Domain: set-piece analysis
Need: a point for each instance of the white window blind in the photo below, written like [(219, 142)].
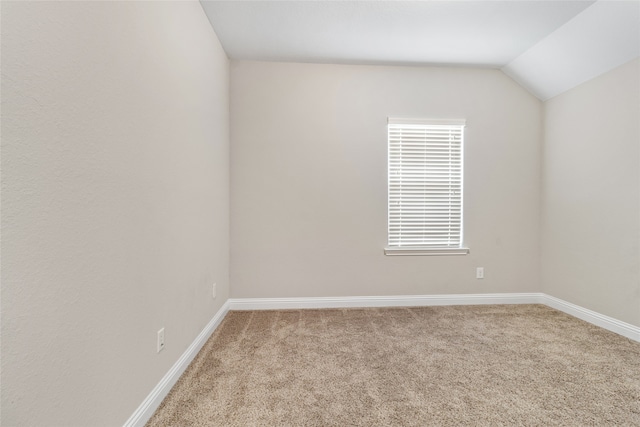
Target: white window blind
[(425, 183)]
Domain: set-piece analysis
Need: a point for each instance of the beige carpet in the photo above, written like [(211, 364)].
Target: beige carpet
[(465, 365)]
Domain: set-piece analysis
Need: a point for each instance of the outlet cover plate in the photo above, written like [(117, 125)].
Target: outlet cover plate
[(160, 340)]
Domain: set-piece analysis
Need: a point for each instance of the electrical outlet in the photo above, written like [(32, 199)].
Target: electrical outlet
[(480, 273), (160, 340), (214, 291)]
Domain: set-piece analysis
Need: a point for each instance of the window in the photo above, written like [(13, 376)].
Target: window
[(425, 187)]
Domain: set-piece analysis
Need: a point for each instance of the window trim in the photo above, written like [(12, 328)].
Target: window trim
[(430, 250), (408, 251)]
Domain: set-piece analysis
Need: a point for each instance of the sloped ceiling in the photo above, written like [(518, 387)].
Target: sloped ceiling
[(602, 37), (546, 46)]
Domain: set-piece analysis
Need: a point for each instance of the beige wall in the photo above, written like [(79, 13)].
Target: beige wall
[(114, 202), (308, 180), (591, 194)]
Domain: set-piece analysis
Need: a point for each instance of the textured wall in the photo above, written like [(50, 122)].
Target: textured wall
[(114, 202), (591, 195), (309, 180)]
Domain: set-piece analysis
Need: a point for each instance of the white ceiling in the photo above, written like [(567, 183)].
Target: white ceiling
[(476, 33), (602, 37)]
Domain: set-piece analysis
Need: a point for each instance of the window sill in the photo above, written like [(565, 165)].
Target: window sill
[(424, 251)]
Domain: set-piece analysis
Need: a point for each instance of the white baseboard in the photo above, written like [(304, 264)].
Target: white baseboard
[(382, 301), (606, 322), (160, 391)]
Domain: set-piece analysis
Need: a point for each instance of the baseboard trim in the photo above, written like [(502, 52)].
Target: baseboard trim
[(609, 323), (382, 301), (160, 391)]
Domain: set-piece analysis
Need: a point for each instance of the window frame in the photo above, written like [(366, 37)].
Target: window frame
[(416, 249)]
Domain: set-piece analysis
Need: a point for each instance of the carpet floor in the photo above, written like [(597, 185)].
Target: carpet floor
[(498, 365)]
